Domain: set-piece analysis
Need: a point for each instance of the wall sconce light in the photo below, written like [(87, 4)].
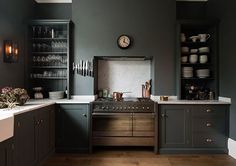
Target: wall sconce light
[(11, 51)]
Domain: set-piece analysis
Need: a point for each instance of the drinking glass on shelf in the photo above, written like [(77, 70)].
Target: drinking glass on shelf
[(39, 31), (38, 60), (34, 32), (34, 60)]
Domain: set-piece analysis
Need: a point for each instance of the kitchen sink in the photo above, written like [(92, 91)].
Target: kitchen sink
[(6, 126)]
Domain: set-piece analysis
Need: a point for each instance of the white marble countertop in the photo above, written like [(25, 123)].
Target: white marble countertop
[(191, 102), (174, 100)]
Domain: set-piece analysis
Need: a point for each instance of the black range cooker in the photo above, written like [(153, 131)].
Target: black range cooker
[(130, 122)]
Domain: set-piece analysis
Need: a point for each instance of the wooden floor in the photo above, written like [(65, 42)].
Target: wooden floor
[(137, 158)]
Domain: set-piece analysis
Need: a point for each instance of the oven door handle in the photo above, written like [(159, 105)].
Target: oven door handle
[(111, 114)]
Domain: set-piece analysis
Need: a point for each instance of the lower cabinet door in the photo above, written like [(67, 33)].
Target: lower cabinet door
[(43, 133), (72, 128), (6, 153), (174, 126), (25, 140)]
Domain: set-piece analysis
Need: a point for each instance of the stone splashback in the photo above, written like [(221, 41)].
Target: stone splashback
[(123, 76)]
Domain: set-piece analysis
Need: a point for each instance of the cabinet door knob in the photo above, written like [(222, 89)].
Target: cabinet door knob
[(84, 115), (208, 125), (18, 124), (209, 140), (208, 110), (163, 115)]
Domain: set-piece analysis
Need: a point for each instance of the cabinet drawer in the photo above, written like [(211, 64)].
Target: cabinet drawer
[(209, 124), (209, 140), (209, 111), (74, 106)]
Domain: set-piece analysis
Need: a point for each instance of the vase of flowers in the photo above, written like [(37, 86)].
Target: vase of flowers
[(11, 97)]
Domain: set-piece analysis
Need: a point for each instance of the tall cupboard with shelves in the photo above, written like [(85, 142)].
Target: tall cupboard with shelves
[(49, 55), (197, 59)]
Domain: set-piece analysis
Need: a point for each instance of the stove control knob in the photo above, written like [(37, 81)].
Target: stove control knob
[(121, 108), (148, 108), (124, 108), (117, 108), (113, 108), (132, 108), (128, 107), (143, 108), (103, 107), (136, 108), (107, 107)]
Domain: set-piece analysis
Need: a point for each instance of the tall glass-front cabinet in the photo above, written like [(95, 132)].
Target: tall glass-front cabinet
[(197, 59), (49, 56)]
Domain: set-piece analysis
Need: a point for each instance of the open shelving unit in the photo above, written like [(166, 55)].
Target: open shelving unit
[(193, 28), (49, 55)]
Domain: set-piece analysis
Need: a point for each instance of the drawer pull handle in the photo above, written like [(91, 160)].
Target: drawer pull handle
[(209, 140), (208, 110), (208, 125)]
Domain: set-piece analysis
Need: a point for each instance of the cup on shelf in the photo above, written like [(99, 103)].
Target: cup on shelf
[(194, 51), (193, 58), (184, 59), (182, 37), (185, 49), (203, 59), (204, 37), (194, 38)]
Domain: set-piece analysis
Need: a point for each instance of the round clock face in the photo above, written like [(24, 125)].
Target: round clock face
[(124, 41)]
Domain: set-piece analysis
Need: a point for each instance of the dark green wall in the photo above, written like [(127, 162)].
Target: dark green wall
[(53, 11), (191, 10), (226, 12), (13, 17), (151, 24)]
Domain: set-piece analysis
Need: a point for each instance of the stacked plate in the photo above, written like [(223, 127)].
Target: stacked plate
[(203, 73), (56, 95), (187, 72)]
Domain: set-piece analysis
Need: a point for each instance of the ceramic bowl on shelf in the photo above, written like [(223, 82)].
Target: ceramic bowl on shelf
[(193, 58), (203, 73), (203, 59), (187, 72), (56, 95), (204, 50), (185, 49)]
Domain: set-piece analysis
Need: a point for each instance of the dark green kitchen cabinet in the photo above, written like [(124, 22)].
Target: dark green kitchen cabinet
[(195, 128), (25, 139), (44, 130), (6, 153), (174, 126), (72, 128), (33, 140)]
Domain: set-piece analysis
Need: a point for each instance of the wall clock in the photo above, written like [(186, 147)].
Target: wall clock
[(124, 41)]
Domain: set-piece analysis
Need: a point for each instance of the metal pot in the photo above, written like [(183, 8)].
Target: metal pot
[(117, 96)]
